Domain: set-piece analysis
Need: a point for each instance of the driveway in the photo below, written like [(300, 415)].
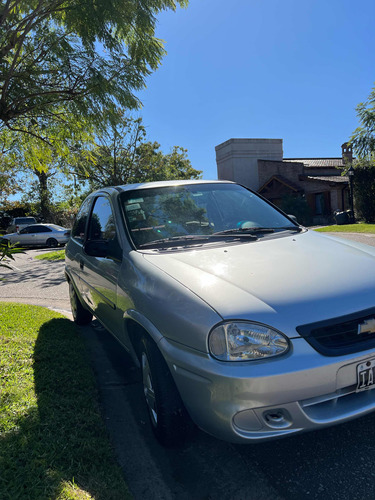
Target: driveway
[(335, 463), (36, 282), (366, 239)]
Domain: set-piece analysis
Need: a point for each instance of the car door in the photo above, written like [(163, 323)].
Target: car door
[(74, 249), (27, 236), (99, 275), (42, 233)]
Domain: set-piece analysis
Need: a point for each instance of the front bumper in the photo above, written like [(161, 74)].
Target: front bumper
[(262, 400)]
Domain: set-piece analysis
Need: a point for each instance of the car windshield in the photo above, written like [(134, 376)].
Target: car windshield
[(198, 211)]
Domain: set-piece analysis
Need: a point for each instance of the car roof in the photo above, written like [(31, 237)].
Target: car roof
[(158, 184)]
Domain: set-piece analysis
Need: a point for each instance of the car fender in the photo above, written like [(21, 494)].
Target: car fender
[(145, 324)]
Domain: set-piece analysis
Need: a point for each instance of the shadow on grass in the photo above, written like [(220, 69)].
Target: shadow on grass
[(60, 449)]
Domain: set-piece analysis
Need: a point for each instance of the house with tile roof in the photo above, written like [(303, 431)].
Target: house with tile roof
[(259, 164)]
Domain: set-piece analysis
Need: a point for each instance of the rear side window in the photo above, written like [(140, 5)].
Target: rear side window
[(35, 229), (24, 220), (41, 229), (78, 231), (102, 224)]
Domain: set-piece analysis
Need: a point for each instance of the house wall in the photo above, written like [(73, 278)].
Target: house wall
[(237, 159), (253, 162), (289, 170)]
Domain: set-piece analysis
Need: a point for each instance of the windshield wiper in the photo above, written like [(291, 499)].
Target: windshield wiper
[(172, 239), (256, 230), (194, 237), (246, 231), (291, 228)]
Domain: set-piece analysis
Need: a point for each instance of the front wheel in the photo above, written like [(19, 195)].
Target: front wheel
[(81, 315), (169, 419)]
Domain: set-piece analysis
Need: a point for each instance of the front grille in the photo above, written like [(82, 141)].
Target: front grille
[(339, 336)]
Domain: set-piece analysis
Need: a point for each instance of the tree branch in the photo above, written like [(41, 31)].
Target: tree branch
[(24, 131)]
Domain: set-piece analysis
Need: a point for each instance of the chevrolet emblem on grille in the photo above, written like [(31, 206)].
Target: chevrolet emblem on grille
[(367, 326)]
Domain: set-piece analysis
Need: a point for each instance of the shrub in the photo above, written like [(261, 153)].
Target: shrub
[(364, 190)]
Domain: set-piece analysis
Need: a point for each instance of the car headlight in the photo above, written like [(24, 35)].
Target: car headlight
[(243, 341)]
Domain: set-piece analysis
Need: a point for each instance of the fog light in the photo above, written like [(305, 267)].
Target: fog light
[(277, 418), (247, 420)]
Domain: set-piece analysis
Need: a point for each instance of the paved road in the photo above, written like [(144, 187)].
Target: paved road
[(367, 239), (37, 282), (335, 463)]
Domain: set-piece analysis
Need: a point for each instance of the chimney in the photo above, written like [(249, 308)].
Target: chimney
[(347, 153)]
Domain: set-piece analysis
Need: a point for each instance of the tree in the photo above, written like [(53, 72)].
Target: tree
[(363, 138), (123, 156), (31, 165), (364, 189), (74, 58), (8, 183)]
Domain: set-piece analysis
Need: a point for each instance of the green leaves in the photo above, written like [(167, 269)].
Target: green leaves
[(123, 156), (363, 138), (364, 189), (82, 56), (6, 253)]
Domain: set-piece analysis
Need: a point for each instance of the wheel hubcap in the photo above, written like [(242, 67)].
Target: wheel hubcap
[(148, 389)]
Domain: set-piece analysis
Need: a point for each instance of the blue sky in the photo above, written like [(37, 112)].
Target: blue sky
[(291, 69)]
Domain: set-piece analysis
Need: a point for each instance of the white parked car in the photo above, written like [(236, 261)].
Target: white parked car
[(49, 235), (241, 320), (19, 223)]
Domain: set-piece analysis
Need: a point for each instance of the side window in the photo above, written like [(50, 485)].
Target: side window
[(102, 224), (41, 229), (78, 231)]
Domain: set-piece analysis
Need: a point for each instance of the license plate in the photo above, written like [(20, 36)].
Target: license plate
[(366, 375)]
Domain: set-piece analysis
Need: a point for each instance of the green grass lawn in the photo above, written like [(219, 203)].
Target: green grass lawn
[(348, 228), (53, 443), (55, 255)]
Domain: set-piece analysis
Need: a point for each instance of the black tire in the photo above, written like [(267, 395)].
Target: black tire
[(81, 315), (51, 243), (170, 421)]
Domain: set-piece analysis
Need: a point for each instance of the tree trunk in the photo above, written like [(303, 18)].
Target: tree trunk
[(44, 195)]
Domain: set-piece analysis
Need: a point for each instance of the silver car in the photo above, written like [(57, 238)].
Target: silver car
[(241, 321), (49, 235)]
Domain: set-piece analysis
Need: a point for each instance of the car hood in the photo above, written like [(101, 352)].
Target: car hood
[(280, 281)]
